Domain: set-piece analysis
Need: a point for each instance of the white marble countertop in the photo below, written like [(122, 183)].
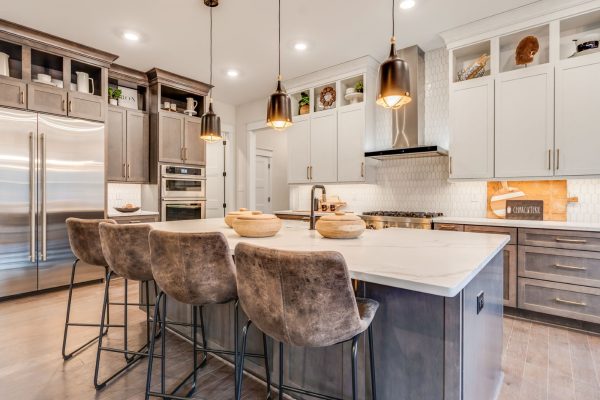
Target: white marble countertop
[(572, 226), (436, 262), (114, 213), (306, 213)]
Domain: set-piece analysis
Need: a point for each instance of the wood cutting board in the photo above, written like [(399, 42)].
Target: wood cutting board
[(553, 193)]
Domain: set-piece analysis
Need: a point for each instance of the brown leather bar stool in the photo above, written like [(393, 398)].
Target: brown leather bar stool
[(127, 253), (196, 269), (302, 299), (85, 244)]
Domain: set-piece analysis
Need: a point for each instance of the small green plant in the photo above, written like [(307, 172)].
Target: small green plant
[(114, 93), (304, 99), (359, 87)]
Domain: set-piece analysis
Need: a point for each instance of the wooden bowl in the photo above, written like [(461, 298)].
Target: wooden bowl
[(257, 225), (126, 209), (231, 216), (341, 226)]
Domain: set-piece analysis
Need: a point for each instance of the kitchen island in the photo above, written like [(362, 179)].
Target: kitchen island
[(437, 333)]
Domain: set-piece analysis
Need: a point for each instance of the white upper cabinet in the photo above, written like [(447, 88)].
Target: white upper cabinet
[(472, 129), (323, 147), (578, 117), (524, 117), (298, 139), (350, 144)]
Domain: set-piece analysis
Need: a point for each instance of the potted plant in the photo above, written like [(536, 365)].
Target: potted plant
[(114, 95), (359, 87), (304, 103)]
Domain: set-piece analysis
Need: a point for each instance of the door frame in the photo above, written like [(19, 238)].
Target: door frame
[(251, 129), (266, 154)]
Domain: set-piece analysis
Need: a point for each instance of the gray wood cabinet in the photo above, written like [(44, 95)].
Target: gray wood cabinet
[(128, 137), (48, 99), (86, 106), (170, 137), (194, 148), (12, 93)]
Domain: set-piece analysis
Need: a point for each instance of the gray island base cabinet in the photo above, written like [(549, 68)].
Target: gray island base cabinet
[(427, 346)]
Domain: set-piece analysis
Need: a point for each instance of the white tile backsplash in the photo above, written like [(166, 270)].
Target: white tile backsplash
[(119, 194), (421, 184)]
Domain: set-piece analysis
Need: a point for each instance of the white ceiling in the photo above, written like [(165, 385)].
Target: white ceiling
[(175, 33)]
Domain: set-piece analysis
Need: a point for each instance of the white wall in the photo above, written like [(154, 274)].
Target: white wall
[(268, 139)]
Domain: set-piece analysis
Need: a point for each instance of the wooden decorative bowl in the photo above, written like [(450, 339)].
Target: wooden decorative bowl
[(257, 225), (232, 216), (126, 209), (341, 226)]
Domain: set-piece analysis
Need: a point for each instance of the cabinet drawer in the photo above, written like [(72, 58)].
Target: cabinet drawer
[(564, 300), (500, 230), (574, 240), (448, 227), (140, 219), (559, 265)]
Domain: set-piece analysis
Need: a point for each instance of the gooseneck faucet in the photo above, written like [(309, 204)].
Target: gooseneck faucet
[(313, 218)]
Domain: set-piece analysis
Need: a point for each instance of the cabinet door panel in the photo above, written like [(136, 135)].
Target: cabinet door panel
[(46, 98), (87, 106), (195, 148), (472, 130), (323, 147), (138, 150), (525, 123), (578, 118), (298, 140), (350, 145), (12, 93), (116, 131), (170, 137)]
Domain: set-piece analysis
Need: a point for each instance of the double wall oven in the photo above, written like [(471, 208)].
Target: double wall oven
[(183, 192)]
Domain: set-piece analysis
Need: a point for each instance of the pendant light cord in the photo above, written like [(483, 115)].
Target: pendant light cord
[(279, 42), (211, 53), (393, 20)]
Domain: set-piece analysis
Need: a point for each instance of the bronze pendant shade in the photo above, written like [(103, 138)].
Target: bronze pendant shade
[(279, 109), (210, 126)]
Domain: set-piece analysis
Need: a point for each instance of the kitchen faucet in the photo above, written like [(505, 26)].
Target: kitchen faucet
[(313, 218)]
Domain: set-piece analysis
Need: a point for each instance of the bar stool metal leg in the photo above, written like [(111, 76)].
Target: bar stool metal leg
[(280, 384), (153, 343), (267, 369), (238, 394), (354, 366), (372, 363)]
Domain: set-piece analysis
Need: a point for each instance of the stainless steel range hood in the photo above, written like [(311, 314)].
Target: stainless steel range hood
[(408, 122)]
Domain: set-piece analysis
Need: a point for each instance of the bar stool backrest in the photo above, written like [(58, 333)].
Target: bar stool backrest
[(298, 298), (193, 268), (84, 239), (127, 250)]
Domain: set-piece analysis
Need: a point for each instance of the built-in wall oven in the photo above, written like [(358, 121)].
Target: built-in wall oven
[(183, 192)]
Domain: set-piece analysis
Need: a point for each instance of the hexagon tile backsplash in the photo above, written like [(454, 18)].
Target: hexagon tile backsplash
[(421, 184)]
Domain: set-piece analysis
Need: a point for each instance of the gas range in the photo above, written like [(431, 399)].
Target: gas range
[(399, 219)]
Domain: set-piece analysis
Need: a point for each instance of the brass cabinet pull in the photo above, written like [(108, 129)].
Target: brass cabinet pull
[(308, 172), (134, 222), (444, 227), (70, 106), (575, 241), (22, 97), (569, 267), (572, 303), (557, 159), (64, 105), (362, 169)]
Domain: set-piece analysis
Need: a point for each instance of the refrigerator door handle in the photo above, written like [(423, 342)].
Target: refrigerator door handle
[(43, 187), (32, 198)]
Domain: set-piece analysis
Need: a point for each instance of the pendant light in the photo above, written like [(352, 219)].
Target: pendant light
[(394, 79), (279, 108), (210, 123)]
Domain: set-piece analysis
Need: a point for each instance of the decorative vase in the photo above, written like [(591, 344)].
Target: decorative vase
[(113, 102), (304, 109)]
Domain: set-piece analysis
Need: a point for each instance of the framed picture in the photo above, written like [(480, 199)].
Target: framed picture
[(129, 98)]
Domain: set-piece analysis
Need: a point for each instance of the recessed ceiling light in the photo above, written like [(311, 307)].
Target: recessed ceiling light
[(131, 36), (300, 46), (232, 73), (407, 4)]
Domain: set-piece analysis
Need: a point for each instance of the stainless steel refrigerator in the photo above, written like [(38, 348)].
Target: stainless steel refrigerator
[(51, 168)]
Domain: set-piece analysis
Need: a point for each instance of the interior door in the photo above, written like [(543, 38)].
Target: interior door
[(323, 147), (18, 265), (215, 179), (298, 140), (70, 184), (195, 148), (263, 184), (138, 146), (525, 123)]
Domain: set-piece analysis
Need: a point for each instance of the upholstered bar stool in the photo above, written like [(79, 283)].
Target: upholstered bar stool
[(302, 299), (196, 269), (127, 253), (85, 244)]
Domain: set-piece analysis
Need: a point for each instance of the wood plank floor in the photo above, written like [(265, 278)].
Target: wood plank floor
[(539, 362)]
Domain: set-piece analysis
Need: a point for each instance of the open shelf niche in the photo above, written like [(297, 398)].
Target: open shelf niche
[(179, 98), (15, 58), (296, 97), (509, 43), (318, 106), (577, 30), (48, 64), (466, 56), (95, 74), (348, 93)]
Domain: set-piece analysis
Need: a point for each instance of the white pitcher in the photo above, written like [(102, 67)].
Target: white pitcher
[(191, 104), (4, 64), (83, 82)]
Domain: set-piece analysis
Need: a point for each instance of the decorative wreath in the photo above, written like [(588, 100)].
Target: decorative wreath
[(327, 96), (527, 48)]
